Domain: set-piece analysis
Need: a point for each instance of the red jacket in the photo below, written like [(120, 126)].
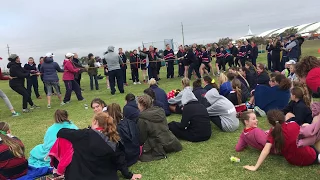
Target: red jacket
[(2, 77), (69, 70), (62, 151), (313, 79)]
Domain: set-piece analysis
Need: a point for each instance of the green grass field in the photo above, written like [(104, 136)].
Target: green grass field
[(199, 161)]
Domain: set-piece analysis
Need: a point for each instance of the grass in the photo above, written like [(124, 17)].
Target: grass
[(198, 161)]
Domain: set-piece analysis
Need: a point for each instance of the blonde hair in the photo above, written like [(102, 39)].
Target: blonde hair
[(152, 81), (109, 128), (13, 144), (236, 85), (185, 82), (222, 78), (145, 101)]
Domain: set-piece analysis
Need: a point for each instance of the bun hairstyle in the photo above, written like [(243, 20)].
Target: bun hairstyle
[(211, 81), (14, 145), (145, 101), (61, 116), (106, 122), (276, 119), (98, 101), (114, 111), (284, 83), (236, 85), (305, 65)]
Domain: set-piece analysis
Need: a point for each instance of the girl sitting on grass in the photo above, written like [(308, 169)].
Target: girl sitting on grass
[(175, 103), (38, 155), (98, 105), (131, 110), (251, 135), (209, 83), (262, 77), (13, 163), (298, 110), (128, 132), (283, 137)]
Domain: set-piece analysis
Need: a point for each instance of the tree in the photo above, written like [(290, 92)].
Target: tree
[(289, 32), (275, 35), (224, 41), (258, 40)]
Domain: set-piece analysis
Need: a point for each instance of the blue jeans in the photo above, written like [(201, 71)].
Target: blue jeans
[(113, 75), (95, 78)]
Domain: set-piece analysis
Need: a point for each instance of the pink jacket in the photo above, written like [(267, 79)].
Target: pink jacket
[(309, 134), (69, 70), (254, 137), (62, 151)]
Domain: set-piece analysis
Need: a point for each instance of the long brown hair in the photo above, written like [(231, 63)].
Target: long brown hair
[(298, 93), (276, 119), (61, 116), (306, 92), (106, 122), (14, 145), (305, 65), (236, 85), (251, 66), (284, 83), (114, 111)]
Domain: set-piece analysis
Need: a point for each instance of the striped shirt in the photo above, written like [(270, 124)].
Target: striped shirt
[(11, 167), (168, 54)]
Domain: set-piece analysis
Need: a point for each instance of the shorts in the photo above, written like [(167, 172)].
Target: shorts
[(205, 63), (178, 109), (50, 85), (186, 62), (219, 61)]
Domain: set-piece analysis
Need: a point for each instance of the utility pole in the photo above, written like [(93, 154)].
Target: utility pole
[(182, 34), (8, 50)]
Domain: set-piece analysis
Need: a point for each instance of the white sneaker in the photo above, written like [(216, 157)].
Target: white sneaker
[(138, 82), (134, 83), (62, 103), (49, 106)]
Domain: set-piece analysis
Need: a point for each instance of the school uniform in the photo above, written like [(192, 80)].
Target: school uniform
[(251, 76), (161, 96), (123, 57), (135, 66), (143, 59), (194, 63), (200, 92), (181, 65), (208, 87), (254, 55), (234, 52), (242, 55), (153, 64), (32, 81), (275, 57), (228, 57), (220, 61), (263, 78), (269, 48), (301, 111), (232, 97), (302, 156), (169, 58), (249, 52)]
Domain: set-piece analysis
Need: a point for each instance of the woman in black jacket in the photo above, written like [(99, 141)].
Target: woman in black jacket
[(18, 75), (262, 77), (275, 57), (195, 122), (98, 153), (33, 79)]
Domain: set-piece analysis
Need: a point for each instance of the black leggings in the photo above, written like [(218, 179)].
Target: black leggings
[(26, 98), (185, 134), (217, 121)]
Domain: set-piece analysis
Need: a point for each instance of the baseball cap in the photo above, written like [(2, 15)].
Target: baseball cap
[(13, 56), (68, 55), (49, 54), (291, 62)]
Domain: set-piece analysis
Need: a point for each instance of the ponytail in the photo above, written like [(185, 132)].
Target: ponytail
[(300, 90), (210, 81), (13, 144), (109, 127), (236, 85), (276, 119)]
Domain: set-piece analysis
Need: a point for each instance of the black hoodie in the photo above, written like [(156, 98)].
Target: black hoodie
[(18, 74)]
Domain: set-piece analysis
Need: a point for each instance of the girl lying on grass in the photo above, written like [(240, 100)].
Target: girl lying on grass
[(283, 137)]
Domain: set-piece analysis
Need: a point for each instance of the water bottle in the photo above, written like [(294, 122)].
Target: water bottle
[(85, 106)]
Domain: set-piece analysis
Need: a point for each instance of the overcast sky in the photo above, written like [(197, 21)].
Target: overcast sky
[(33, 28)]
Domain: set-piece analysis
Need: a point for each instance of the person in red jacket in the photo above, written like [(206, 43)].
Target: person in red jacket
[(5, 98), (68, 78)]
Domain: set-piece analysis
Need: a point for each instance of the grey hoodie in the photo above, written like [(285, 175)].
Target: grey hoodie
[(177, 99), (113, 59), (222, 107), (188, 96)]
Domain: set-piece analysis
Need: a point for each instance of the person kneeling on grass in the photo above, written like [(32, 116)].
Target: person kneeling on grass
[(251, 135), (283, 137), (155, 136), (13, 163), (128, 132), (221, 111), (195, 122), (175, 103), (97, 152), (38, 155), (297, 110)]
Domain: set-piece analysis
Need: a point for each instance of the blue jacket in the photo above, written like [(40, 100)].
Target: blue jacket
[(162, 97), (268, 98), (225, 88), (49, 70), (129, 134), (131, 111)]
